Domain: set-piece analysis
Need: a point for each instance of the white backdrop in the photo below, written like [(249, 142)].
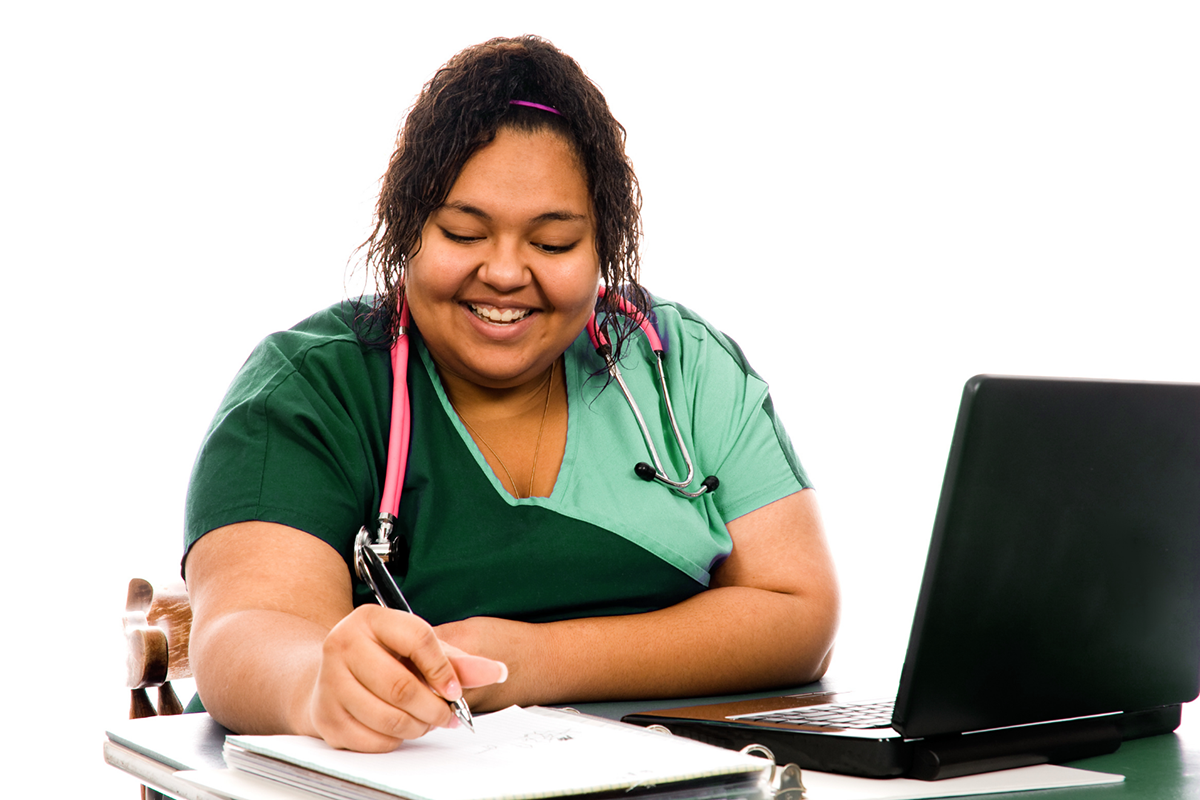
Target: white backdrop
[(877, 200)]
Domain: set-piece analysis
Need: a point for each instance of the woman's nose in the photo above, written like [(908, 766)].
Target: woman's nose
[(505, 268)]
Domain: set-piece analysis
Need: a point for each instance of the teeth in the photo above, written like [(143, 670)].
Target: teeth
[(492, 314)]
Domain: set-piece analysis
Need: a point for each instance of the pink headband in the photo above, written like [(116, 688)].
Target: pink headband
[(534, 105)]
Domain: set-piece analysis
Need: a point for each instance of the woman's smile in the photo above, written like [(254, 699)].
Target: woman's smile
[(498, 316)]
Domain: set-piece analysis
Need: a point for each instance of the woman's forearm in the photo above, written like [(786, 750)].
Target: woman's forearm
[(255, 670), (725, 640)]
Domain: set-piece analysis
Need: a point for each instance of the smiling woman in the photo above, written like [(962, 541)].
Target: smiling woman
[(505, 280), (543, 567)]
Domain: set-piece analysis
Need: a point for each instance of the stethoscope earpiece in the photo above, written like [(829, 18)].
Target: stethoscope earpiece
[(649, 473)]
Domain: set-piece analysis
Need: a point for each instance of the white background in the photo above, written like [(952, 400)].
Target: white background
[(877, 200)]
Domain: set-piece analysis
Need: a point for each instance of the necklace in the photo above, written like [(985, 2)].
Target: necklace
[(537, 448)]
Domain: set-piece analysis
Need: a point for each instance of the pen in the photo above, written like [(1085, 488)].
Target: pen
[(371, 568)]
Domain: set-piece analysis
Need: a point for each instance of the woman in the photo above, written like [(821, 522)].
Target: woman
[(544, 569)]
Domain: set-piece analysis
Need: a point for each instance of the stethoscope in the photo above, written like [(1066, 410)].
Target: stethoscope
[(642, 469), (401, 428)]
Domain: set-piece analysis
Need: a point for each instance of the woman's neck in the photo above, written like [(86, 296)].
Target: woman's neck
[(521, 431), (488, 405)]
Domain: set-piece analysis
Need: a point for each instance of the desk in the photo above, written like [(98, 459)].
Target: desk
[(1161, 767)]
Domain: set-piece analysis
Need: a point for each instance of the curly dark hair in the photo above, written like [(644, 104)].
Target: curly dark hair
[(459, 111)]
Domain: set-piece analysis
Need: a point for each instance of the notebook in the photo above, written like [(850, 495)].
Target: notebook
[(514, 754), (1059, 612)]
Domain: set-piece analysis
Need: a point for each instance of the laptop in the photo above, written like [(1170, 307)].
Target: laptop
[(1059, 613)]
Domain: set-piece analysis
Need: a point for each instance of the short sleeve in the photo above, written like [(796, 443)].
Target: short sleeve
[(299, 438), (738, 436)]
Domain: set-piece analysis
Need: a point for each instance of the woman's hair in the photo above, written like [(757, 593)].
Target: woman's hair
[(458, 112)]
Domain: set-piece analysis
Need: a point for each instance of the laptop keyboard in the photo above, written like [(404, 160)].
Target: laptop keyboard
[(831, 715)]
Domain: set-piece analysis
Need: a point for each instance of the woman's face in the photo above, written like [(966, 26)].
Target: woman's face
[(507, 272)]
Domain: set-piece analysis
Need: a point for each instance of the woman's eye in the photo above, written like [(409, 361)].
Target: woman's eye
[(554, 249), (459, 238)]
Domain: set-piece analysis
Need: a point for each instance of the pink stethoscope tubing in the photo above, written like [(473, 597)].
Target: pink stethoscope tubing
[(401, 424), (598, 338)]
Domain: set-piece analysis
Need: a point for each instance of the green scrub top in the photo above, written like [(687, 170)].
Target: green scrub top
[(300, 440)]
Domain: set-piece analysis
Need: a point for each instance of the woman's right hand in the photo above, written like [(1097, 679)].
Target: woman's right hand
[(386, 677), (277, 646)]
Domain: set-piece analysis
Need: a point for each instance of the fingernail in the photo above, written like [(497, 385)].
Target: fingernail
[(503, 672), (453, 691), (454, 723)]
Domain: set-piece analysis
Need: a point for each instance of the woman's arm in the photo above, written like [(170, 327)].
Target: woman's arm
[(768, 619), (277, 647)]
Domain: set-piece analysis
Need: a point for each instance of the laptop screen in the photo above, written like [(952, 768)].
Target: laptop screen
[(1062, 576)]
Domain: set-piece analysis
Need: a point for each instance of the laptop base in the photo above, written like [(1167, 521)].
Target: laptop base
[(888, 755)]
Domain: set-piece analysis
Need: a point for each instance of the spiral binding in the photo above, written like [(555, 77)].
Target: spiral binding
[(786, 782)]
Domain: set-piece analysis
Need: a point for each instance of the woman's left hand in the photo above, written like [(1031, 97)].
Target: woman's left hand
[(510, 642)]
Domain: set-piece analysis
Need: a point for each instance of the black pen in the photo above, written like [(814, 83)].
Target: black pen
[(371, 569)]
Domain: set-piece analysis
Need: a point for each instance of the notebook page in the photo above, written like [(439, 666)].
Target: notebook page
[(515, 753)]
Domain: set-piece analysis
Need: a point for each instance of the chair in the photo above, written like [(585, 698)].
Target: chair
[(158, 624)]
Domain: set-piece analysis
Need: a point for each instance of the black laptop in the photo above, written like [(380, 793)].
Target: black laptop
[(1060, 608)]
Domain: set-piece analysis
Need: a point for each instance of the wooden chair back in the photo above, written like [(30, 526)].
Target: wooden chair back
[(158, 623)]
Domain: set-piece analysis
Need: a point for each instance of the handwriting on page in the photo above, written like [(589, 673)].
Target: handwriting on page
[(529, 740)]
